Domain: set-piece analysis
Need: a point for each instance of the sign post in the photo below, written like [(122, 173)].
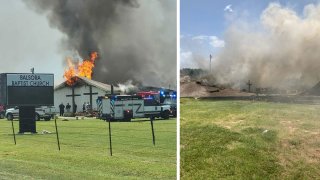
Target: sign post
[(27, 121)]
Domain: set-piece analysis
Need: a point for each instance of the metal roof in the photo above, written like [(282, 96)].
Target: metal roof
[(97, 84)]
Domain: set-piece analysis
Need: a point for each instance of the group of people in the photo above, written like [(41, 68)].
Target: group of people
[(86, 106)]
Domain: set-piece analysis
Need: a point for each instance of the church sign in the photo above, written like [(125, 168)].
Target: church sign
[(38, 80), (26, 89)]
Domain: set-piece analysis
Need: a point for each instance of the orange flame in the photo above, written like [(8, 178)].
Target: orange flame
[(83, 69)]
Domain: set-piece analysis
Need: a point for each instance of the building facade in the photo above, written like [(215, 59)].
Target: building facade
[(84, 91)]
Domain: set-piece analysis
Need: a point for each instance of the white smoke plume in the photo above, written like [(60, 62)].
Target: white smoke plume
[(127, 87), (282, 51)]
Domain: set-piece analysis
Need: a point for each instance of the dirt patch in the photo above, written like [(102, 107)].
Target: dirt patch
[(228, 125), (234, 145), (306, 149), (192, 88), (289, 126), (304, 144)]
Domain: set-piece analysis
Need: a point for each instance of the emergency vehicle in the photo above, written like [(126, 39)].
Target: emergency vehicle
[(127, 107), (169, 97)]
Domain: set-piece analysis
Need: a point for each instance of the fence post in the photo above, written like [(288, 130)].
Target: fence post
[(55, 122), (112, 116), (153, 137), (110, 142), (14, 135)]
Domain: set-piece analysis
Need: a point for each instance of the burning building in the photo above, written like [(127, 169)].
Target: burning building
[(83, 90), (79, 88), (82, 69)]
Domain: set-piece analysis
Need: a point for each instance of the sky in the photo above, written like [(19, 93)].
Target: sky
[(41, 35), (203, 24), (27, 40)]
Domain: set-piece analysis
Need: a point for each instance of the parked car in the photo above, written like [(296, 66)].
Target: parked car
[(2, 111), (13, 113), (49, 110)]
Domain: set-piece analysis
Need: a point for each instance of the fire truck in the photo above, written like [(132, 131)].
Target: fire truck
[(169, 97), (127, 107), (165, 97)]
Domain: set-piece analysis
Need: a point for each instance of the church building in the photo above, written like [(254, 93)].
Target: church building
[(83, 91)]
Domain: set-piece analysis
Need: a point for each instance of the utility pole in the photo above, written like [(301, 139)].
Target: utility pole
[(210, 61), (249, 86)]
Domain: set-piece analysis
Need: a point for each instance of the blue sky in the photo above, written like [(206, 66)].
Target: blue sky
[(203, 23)]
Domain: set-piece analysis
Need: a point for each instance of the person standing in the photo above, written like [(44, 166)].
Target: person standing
[(84, 107), (75, 108), (61, 107), (68, 107), (88, 106)]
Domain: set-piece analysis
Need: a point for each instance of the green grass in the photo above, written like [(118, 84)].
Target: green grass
[(249, 140), (85, 151)]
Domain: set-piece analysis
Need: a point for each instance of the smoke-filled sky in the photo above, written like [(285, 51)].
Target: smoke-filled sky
[(136, 39), (27, 41), (273, 44)]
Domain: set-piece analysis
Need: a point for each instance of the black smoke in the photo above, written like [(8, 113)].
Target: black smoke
[(135, 39)]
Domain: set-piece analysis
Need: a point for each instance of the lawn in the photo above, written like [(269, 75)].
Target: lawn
[(249, 140), (85, 151)]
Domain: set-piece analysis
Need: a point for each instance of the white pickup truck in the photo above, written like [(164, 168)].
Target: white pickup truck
[(45, 113)]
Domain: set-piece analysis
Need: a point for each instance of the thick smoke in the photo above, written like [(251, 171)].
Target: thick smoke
[(128, 87), (136, 39), (282, 51)]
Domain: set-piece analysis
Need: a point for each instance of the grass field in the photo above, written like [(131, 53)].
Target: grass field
[(249, 140), (85, 151)]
